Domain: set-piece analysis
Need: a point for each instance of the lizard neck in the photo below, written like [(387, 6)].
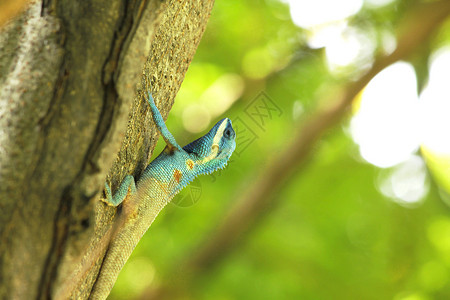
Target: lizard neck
[(173, 169)]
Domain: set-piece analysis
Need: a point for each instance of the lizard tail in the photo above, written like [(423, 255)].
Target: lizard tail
[(134, 222), (126, 240)]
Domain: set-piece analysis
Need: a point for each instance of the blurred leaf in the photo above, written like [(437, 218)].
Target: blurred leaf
[(421, 63), (439, 165)]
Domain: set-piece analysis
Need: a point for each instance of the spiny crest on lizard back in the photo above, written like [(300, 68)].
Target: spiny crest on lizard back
[(212, 151)]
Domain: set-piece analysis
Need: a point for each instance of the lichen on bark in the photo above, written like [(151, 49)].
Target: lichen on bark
[(69, 72)]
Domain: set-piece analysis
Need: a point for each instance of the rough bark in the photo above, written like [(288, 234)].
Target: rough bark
[(68, 77)]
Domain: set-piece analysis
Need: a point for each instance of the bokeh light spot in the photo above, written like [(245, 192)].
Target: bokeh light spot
[(222, 93), (350, 46), (196, 118), (435, 105), (138, 274), (406, 183), (306, 13), (439, 235), (411, 296), (386, 127), (378, 3), (258, 63), (433, 276)]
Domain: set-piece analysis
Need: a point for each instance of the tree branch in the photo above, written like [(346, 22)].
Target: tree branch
[(68, 72)]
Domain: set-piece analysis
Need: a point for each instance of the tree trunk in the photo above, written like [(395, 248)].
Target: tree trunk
[(68, 77)]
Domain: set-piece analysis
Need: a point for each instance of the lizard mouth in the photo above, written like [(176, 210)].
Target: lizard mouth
[(224, 154)]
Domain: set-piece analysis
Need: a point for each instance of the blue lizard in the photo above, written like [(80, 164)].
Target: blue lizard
[(163, 178)]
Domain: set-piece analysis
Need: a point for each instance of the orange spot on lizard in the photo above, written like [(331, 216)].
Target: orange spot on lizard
[(190, 164), (177, 175)]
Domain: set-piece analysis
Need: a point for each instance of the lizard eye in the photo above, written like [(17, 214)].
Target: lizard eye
[(227, 133)]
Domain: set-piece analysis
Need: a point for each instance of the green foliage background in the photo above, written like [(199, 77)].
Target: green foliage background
[(331, 234)]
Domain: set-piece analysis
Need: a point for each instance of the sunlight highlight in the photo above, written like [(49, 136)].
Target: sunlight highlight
[(214, 101), (407, 183), (435, 105), (391, 122), (386, 127), (350, 47), (378, 3), (344, 44), (307, 14)]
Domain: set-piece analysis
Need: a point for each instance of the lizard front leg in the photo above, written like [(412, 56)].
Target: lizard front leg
[(162, 128), (127, 186)]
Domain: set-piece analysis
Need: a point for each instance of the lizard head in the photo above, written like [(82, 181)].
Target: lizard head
[(212, 151)]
